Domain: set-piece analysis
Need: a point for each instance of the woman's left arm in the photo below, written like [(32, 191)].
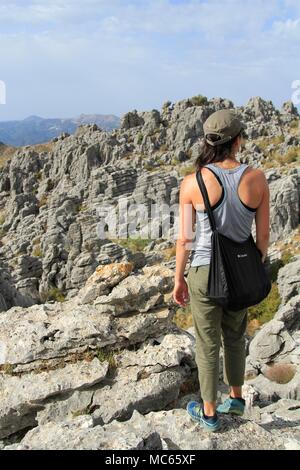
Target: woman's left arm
[(184, 241)]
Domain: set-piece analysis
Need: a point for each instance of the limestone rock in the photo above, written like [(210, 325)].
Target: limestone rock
[(288, 281), (139, 293), (104, 278), (79, 434), (22, 397)]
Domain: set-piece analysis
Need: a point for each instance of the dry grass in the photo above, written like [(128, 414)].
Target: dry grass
[(44, 147), (183, 318), (43, 200), (290, 157), (132, 244), (187, 170), (45, 365), (252, 326), (105, 355), (37, 251), (292, 248), (169, 253), (7, 369), (6, 153), (295, 126), (2, 216), (164, 148), (265, 142)]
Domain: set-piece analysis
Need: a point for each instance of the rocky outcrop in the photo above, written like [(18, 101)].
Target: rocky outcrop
[(288, 281), (284, 204), (58, 360), (22, 397), (52, 201), (274, 355), (76, 377), (90, 357), (270, 428)]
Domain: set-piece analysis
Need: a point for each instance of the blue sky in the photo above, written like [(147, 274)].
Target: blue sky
[(62, 58)]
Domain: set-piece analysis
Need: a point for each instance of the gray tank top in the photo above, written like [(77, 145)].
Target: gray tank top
[(233, 218)]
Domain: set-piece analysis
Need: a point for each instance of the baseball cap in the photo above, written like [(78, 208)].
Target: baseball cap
[(224, 123)]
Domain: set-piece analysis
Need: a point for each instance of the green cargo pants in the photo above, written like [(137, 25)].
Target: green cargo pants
[(214, 324)]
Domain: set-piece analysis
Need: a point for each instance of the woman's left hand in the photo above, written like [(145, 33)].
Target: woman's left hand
[(181, 293)]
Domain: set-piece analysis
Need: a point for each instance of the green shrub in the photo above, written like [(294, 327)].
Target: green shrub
[(149, 167), (187, 170), (80, 207), (175, 162), (55, 294), (84, 411), (199, 100), (132, 244), (286, 257), (140, 138), (39, 175), (50, 185), (266, 309), (106, 355)]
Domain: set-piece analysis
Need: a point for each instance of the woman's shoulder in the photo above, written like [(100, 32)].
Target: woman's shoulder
[(191, 177), (257, 173)]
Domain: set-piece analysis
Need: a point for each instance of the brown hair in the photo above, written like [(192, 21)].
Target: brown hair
[(210, 154)]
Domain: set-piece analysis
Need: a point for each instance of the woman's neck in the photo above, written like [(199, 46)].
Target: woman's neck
[(228, 163)]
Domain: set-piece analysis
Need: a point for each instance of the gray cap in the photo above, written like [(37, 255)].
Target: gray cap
[(225, 124)]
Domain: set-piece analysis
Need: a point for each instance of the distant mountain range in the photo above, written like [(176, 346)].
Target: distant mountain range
[(36, 130)]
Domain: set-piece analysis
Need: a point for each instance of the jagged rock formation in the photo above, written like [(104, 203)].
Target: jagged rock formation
[(89, 354), (51, 202), (76, 377)]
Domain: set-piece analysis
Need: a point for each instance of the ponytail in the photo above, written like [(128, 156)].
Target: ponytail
[(210, 154)]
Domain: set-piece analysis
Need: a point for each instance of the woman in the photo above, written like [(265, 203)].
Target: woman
[(238, 194)]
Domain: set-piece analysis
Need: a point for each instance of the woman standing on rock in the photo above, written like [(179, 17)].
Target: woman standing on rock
[(237, 194)]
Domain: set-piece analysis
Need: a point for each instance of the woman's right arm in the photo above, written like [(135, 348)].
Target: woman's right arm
[(262, 218)]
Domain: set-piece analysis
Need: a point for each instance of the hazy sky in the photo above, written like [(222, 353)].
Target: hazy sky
[(62, 58)]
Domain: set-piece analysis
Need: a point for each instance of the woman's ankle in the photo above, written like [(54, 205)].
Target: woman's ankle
[(235, 392), (209, 408)]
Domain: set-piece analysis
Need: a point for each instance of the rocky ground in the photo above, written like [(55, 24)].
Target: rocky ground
[(90, 355)]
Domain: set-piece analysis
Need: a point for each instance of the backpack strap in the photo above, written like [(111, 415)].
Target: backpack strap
[(203, 190)]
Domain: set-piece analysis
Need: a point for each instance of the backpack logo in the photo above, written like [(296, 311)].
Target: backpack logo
[(242, 255)]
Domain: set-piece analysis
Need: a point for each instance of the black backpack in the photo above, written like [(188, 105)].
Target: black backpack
[(237, 276)]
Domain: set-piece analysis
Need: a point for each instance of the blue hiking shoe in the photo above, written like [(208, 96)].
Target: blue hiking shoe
[(195, 410), (232, 406)]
